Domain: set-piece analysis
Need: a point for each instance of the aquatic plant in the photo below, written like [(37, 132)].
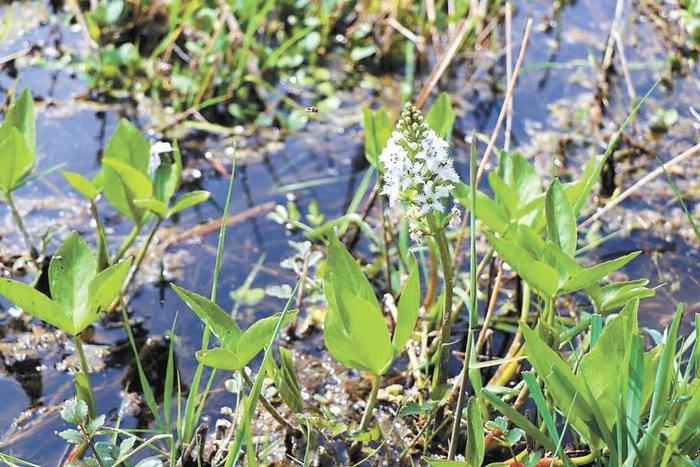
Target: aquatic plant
[(354, 331), (18, 155), (79, 294)]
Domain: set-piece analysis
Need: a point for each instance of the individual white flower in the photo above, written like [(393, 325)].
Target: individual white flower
[(455, 218), (417, 167), (157, 148)]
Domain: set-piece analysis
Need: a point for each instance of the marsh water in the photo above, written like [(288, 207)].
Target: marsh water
[(555, 108)]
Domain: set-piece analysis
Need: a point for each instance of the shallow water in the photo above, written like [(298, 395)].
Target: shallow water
[(552, 104)]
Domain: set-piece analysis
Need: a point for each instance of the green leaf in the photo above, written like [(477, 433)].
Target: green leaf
[(103, 289), (20, 116), (221, 324), (71, 268), (595, 273), (129, 146), (159, 208), (36, 304), (441, 117), (543, 409), (580, 190), (492, 214), (286, 381), (615, 295), (167, 176), (604, 366), (518, 420), (378, 127), (360, 341), (221, 358), (407, 309), (505, 194), (524, 179), (71, 435), (537, 274), (192, 198), (432, 462), (82, 185), (123, 185), (16, 160), (474, 454), (563, 385), (561, 223), (254, 339), (341, 263), (74, 411)]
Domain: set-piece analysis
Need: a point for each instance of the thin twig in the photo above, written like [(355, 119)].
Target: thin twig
[(509, 72), (508, 97), (640, 183), (447, 57)]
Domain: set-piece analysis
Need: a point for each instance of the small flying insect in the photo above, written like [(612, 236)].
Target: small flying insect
[(312, 109)]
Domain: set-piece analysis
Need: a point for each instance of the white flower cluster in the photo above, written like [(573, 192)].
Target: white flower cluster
[(417, 168)]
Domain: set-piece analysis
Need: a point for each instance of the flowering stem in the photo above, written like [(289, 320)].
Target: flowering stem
[(371, 402), (440, 375), (473, 278)]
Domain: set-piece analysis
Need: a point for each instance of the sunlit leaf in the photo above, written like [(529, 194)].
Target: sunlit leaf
[(122, 186), (377, 127), (36, 304), (561, 223), (222, 325), (441, 117), (20, 115), (595, 273), (16, 160), (70, 270), (82, 185), (538, 274), (258, 335), (192, 198), (129, 146)]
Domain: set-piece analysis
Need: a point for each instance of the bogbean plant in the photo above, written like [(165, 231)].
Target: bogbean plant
[(594, 382), (592, 379)]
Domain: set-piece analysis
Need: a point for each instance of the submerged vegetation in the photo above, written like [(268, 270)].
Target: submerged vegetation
[(464, 306)]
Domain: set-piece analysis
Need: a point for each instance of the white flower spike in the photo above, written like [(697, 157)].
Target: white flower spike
[(417, 168)]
